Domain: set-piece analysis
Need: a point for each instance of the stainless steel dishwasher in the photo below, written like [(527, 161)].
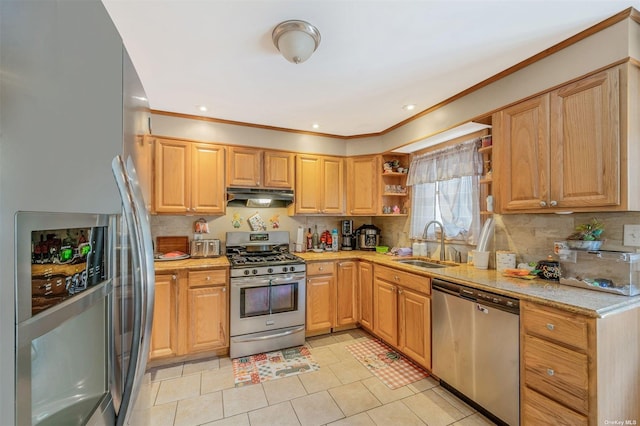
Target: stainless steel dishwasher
[(475, 346)]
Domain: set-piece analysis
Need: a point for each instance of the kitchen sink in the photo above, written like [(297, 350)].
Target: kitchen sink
[(424, 263)]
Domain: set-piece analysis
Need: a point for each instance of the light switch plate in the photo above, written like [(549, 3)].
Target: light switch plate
[(631, 235)]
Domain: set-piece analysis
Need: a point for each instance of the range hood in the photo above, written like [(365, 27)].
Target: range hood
[(259, 197)]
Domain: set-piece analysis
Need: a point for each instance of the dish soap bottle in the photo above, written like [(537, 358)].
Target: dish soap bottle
[(334, 240)]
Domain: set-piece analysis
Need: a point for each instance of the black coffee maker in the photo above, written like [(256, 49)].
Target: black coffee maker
[(348, 237), (367, 237)]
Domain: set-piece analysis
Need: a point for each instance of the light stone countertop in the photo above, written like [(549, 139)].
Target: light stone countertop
[(585, 302), (551, 293)]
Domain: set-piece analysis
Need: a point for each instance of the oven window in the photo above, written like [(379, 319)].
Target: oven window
[(255, 301), (284, 298)]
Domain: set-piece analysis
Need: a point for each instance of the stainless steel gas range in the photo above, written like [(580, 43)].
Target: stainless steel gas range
[(267, 309)]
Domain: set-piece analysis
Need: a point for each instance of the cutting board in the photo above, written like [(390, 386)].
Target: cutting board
[(167, 244)]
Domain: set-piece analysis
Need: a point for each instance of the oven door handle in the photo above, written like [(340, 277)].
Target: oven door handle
[(288, 278), (269, 336), (242, 283)]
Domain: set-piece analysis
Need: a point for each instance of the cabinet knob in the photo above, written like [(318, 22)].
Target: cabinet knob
[(550, 372), (194, 209), (397, 278), (553, 203), (208, 278), (173, 277), (320, 268), (399, 291), (543, 204), (550, 327), (224, 289)]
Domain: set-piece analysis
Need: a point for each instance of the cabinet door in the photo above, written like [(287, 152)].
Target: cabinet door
[(524, 157), (172, 176), (320, 302), (415, 326), (278, 169), (346, 305), (207, 318), (244, 167), (385, 311), (164, 334), (308, 184), (333, 185), (362, 185), (365, 313), (207, 179), (585, 142)]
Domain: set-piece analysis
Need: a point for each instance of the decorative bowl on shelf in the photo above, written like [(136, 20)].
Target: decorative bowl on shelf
[(584, 245)]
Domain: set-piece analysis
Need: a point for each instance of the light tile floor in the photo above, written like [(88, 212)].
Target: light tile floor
[(341, 393)]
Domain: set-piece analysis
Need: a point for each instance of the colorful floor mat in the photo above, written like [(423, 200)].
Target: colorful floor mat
[(273, 365), (389, 366)]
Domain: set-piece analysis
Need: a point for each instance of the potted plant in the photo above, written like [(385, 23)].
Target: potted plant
[(587, 236)]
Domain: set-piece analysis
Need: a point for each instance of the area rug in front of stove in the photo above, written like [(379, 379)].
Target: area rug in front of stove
[(273, 365), (389, 366)]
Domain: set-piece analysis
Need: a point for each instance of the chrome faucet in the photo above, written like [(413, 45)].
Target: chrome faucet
[(424, 235)]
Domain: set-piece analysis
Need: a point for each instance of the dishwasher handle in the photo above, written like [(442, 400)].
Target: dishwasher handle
[(453, 289), (504, 303)]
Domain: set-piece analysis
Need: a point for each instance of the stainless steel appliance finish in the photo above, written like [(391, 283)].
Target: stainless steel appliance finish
[(268, 293), (205, 248), (368, 237), (348, 237), (476, 348)]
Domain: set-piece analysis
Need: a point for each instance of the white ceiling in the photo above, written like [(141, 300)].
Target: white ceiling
[(375, 55)]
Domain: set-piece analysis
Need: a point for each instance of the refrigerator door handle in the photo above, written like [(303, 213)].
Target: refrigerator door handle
[(143, 283)]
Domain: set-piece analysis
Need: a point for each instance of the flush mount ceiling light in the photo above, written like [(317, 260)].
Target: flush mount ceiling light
[(296, 40)]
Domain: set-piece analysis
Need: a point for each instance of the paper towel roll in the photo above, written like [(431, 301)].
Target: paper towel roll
[(300, 239)]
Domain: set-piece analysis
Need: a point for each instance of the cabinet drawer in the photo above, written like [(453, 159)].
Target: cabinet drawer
[(556, 371), (561, 327), (208, 277), (415, 282), (320, 268), (540, 410)]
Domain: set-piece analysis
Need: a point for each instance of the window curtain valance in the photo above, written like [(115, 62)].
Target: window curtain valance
[(445, 164)]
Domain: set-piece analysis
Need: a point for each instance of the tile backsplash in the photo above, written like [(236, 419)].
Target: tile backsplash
[(530, 236)]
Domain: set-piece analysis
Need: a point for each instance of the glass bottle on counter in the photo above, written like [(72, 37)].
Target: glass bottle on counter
[(309, 240), (315, 239)]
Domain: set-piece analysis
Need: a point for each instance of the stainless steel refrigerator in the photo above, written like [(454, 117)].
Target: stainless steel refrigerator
[(76, 269)]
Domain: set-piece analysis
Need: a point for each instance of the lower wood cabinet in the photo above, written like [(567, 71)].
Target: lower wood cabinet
[(332, 297), (578, 370), (365, 294), (191, 313), (402, 312), (164, 335), (207, 311)]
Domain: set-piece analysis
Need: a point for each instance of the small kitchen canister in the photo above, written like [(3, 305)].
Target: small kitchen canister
[(505, 260)]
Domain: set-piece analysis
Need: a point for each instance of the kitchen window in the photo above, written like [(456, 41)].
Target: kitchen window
[(446, 188)]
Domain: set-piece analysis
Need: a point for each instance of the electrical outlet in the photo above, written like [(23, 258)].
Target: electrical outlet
[(631, 235)]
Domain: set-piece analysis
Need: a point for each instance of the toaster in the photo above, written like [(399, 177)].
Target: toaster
[(205, 248)]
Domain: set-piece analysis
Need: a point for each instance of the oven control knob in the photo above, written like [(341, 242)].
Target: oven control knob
[(246, 272), (254, 272), (292, 268), (270, 270), (284, 269)]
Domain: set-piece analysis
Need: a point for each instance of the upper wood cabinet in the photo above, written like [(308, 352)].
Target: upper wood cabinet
[(250, 167), (363, 177), (189, 177), (319, 185), (564, 150)]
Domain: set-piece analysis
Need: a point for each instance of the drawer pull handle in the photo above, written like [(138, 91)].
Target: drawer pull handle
[(550, 372), (208, 278), (320, 268), (550, 326), (395, 277)]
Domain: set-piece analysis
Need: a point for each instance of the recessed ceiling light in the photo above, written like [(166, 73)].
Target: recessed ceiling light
[(315, 125), (409, 107), (202, 108)]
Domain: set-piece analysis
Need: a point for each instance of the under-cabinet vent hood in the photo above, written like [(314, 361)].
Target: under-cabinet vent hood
[(259, 197)]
